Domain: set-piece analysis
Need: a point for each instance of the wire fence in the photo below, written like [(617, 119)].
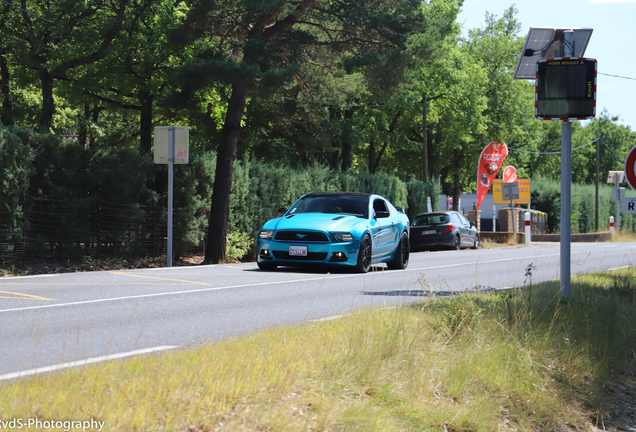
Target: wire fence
[(52, 230)]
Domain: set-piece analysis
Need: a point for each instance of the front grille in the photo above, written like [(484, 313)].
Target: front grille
[(301, 236), (311, 256)]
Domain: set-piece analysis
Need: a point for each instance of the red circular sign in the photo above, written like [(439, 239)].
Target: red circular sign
[(630, 168), (510, 174)]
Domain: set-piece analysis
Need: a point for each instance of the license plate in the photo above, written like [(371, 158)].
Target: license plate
[(298, 251), (429, 232)]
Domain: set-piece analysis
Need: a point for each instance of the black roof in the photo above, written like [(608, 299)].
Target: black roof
[(337, 194)]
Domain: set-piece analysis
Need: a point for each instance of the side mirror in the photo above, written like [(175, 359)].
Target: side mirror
[(472, 224), (282, 210), (400, 209)]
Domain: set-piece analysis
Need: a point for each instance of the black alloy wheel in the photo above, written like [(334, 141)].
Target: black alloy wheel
[(364, 255), (401, 258), (458, 242)]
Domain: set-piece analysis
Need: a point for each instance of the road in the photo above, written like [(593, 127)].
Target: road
[(55, 321)]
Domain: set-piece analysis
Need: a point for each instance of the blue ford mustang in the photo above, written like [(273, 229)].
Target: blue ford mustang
[(336, 228)]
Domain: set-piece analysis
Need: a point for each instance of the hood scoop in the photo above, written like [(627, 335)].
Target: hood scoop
[(338, 217), (290, 216)]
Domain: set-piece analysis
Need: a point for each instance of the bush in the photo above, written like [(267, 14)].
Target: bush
[(15, 164)]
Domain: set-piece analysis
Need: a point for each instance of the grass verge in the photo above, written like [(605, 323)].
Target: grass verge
[(514, 360)]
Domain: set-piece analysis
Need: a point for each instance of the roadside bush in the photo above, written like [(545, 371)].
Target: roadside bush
[(546, 196), (15, 163)]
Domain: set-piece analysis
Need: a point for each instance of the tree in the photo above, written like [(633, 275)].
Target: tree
[(57, 37), (138, 67), (258, 46)]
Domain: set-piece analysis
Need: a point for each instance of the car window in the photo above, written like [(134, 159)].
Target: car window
[(379, 205), (432, 219), (464, 220), (455, 219)]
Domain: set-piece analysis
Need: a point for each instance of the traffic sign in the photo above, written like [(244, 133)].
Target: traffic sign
[(630, 167), (181, 144), (510, 191), (629, 205)]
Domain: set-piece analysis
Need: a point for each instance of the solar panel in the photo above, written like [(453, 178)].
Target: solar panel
[(545, 43)]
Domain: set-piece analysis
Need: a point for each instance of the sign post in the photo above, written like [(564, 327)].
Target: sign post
[(510, 191), (168, 141)]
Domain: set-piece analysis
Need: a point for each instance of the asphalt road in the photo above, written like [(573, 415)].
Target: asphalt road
[(55, 321)]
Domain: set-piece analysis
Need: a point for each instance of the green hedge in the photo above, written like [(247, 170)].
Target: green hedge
[(71, 185), (546, 197)]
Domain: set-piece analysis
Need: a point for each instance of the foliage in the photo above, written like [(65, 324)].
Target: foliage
[(546, 197), (15, 166), (238, 245)]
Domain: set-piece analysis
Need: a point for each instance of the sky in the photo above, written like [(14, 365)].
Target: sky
[(614, 35)]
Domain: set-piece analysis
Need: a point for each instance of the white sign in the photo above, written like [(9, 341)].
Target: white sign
[(618, 194), (615, 177), (629, 205), (181, 144)]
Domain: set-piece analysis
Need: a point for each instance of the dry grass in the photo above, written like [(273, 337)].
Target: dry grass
[(514, 360)]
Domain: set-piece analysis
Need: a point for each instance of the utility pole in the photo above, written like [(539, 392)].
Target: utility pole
[(597, 180), (425, 135)]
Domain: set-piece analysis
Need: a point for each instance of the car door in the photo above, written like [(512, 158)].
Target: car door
[(383, 229), (468, 236)]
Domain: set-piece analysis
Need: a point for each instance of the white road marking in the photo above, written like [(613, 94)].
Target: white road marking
[(26, 373)]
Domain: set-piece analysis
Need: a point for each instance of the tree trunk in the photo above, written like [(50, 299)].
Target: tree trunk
[(456, 192), (346, 142), (83, 132), (220, 209), (48, 104), (145, 131), (6, 114), (372, 156)]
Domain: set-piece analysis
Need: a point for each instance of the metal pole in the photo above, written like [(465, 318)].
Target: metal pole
[(512, 218), (566, 204), (618, 208), (170, 187), (597, 180)]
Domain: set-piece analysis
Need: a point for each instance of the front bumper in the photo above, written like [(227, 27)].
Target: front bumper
[(277, 252)]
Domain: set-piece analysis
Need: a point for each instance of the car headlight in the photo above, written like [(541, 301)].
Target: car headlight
[(267, 234), (343, 237)]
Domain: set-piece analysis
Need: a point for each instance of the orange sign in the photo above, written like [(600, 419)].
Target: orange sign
[(524, 192)]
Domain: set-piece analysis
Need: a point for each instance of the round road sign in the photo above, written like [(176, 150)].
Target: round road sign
[(630, 168)]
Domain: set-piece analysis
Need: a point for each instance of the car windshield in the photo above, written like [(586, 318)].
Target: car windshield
[(432, 219), (339, 204)]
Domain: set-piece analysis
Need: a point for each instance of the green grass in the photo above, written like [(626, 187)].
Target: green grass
[(515, 360)]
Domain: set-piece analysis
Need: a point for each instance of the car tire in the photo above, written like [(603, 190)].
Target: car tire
[(266, 266), (458, 243), (401, 258), (477, 242), (364, 255)]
